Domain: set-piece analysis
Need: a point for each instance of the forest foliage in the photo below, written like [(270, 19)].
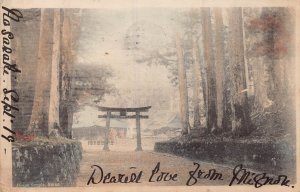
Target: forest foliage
[(234, 66)]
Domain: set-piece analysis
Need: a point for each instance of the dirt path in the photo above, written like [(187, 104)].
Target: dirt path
[(120, 162)]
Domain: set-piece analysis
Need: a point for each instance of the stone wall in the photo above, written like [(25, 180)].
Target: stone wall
[(46, 163), (271, 157)]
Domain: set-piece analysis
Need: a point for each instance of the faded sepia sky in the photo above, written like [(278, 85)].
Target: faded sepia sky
[(107, 37)]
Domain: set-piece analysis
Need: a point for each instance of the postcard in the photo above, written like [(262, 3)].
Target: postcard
[(149, 96)]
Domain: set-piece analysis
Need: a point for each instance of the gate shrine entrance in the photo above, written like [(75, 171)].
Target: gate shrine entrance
[(121, 113)]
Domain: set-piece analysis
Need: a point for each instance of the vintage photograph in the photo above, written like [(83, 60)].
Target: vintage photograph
[(151, 96)]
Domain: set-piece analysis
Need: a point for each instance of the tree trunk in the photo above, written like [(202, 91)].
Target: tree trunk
[(65, 73), (69, 33), (239, 100), (183, 95), (54, 89), (245, 57), (219, 59), (211, 76), (40, 109), (203, 78), (261, 99), (196, 83)]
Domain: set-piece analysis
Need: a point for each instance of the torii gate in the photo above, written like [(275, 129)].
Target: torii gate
[(122, 114)]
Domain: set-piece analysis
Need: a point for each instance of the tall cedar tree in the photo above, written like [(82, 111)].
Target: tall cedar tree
[(210, 70), (239, 101)]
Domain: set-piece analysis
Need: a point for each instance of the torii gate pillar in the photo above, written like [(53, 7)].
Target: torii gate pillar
[(138, 132)]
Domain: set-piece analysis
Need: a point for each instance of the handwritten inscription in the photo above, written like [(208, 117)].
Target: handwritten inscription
[(240, 176), (197, 174), (99, 176), (160, 176), (15, 15), (9, 97), (9, 68)]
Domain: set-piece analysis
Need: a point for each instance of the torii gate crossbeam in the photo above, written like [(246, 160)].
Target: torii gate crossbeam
[(122, 114)]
